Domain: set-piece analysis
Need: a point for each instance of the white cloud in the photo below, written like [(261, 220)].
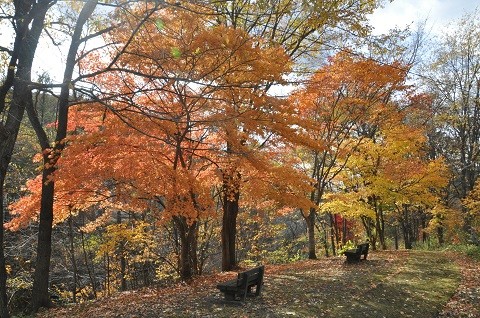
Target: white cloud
[(403, 13)]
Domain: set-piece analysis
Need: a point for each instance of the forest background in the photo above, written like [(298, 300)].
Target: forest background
[(191, 137)]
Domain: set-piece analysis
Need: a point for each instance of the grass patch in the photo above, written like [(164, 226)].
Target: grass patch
[(410, 284), (389, 284), (470, 250)]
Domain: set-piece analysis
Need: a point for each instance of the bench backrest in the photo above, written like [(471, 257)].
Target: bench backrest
[(253, 276), (363, 248)]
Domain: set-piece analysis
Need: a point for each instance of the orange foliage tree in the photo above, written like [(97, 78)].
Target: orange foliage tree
[(301, 28), (164, 111), (337, 104)]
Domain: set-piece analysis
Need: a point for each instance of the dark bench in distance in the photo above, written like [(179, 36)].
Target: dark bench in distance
[(356, 254), (240, 288)]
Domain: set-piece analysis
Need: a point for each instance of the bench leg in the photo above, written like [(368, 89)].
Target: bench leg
[(243, 295), (229, 296)]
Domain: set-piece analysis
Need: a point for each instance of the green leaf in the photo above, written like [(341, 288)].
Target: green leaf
[(176, 53), (159, 24)]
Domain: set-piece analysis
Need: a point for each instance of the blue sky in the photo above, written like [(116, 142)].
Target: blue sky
[(439, 13)]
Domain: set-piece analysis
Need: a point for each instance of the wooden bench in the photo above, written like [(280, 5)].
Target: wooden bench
[(240, 288), (356, 254)]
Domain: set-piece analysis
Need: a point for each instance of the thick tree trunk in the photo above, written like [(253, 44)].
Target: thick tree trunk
[(41, 297), (229, 234), (440, 235), (188, 256), (7, 143), (425, 236), (406, 224), (231, 198), (310, 219), (380, 226), (193, 243), (369, 229)]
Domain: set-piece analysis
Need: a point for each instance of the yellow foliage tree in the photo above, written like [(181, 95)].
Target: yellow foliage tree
[(391, 173), (338, 104)]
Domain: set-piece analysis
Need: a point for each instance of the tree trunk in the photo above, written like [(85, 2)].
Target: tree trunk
[(380, 226), (344, 231), (193, 244), (231, 198), (27, 14), (369, 228), (91, 273), (123, 270), (406, 229), (396, 237), (325, 241), (74, 261), (7, 144), (425, 236), (40, 296), (107, 274), (123, 262), (188, 257), (310, 219), (333, 226), (440, 235)]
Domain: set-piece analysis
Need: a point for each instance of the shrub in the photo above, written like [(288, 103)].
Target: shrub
[(349, 245)]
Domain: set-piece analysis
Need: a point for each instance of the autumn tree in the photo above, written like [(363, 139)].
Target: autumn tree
[(390, 177), (234, 80), (302, 29), (173, 86), (453, 81), (51, 153), (338, 103)]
